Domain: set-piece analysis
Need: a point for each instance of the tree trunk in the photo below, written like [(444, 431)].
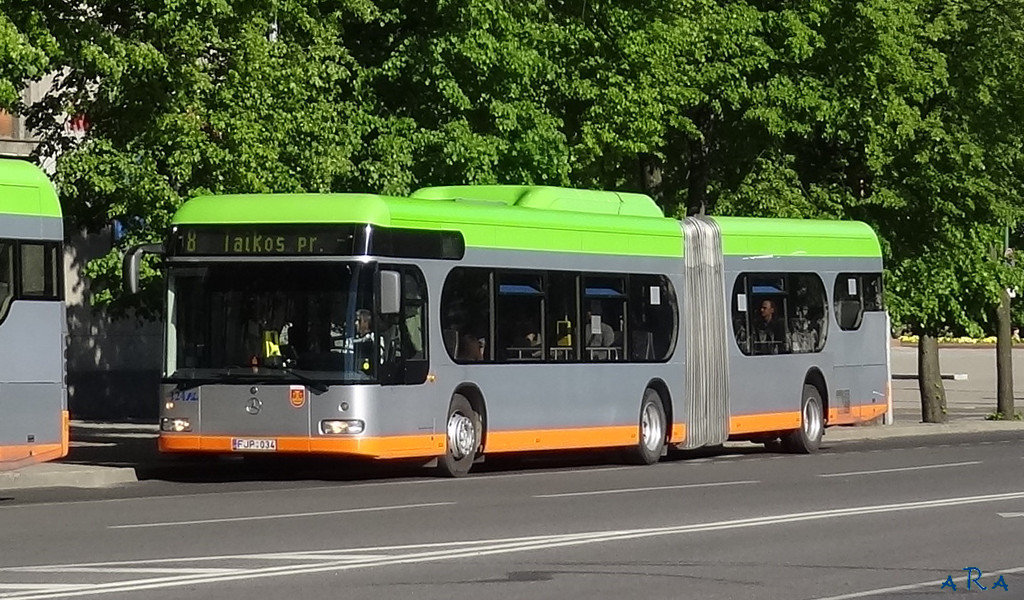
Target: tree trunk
[(1004, 358), (929, 380), (650, 179)]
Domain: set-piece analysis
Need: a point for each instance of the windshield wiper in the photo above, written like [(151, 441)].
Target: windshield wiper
[(247, 374), (183, 384), (317, 386)]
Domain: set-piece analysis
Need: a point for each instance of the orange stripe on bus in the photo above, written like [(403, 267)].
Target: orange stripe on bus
[(743, 424), (65, 433), (399, 446), (678, 433), (561, 439), (22, 455), (856, 414)]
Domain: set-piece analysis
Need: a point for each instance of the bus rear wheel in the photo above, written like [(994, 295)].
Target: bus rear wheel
[(463, 432), (812, 424), (651, 434)]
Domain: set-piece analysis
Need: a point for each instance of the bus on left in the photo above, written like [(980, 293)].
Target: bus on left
[(33, 324)]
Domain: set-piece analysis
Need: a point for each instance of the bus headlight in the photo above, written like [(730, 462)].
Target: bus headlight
[(175, 425), (337, 426)]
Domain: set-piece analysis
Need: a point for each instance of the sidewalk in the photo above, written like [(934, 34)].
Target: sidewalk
[(109, 454)]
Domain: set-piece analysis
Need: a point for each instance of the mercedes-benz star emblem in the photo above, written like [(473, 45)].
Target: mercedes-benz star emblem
[(253, 406)]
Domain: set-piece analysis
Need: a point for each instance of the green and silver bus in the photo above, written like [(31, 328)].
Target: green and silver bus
[(473, 320), (33, 323)]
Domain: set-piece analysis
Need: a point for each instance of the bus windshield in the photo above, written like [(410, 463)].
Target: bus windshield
[(274, 320)]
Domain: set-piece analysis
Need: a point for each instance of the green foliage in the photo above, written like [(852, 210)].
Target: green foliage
[(904, 113), (25, 50), (998, 416)]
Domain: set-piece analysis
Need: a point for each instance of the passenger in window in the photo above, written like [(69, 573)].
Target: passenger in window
[(803, 337), (769, 331), (598, 338), (470, 348), (739, 325), (524, 340)]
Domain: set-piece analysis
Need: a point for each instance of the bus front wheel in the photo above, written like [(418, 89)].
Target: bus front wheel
[(463, 435), (651, 434), (812, 424)]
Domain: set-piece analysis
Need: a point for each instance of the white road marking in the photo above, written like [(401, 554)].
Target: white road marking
[(452, 550), (1011, 515), (943, 466), (154, 570), (644, 489), (50, 587), (913, 586), (341, 485), (280, 516)]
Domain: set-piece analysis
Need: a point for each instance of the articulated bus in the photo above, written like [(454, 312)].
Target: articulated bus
[(33, 325), (473, 320)]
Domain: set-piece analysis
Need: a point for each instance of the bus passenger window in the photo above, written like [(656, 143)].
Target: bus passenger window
[(561, 318), (519, 311), (466, 314), (849, 302), (872, 283), (604, 320), (39, 271), (807, 322), (652, 318), (740, 314)]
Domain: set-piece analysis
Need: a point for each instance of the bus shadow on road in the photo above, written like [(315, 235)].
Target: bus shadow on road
[(135, 447)]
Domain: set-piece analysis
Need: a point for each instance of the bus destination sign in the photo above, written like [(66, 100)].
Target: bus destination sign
[(242, 241)]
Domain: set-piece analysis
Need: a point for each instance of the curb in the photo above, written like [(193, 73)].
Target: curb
[(898, 430), (66, 475)]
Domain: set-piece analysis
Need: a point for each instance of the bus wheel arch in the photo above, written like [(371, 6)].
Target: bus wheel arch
[(651, 430), (817, 379), (476, 400), (807, 438), (464, 428), (666, 404)]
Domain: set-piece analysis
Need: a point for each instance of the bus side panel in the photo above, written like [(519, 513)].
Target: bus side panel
[(765, 391), (860, 372), (32, 345), (33, 399), (555, 405)]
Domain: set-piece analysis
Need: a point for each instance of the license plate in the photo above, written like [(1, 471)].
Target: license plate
[(253, 445)]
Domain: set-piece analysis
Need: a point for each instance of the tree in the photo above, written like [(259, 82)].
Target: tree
[(25, 50)]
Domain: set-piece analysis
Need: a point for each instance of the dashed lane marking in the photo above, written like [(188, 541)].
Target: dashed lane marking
[(281, 516), (901, 469), (308, 562), (645, 489)]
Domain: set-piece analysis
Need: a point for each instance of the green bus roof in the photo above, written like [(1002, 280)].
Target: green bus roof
[(536, 218), (485, 222), (26, 190), (748, 236)]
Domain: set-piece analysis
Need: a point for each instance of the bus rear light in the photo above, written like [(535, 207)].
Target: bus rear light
[(175, 425), (338, 427)]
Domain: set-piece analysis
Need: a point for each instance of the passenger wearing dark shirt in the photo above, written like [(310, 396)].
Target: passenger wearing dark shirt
[(770, 331)]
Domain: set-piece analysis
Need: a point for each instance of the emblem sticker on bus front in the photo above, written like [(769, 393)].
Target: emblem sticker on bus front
[(253, 406)]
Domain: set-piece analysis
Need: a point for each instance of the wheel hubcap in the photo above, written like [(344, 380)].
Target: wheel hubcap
[(651, 428), (812, 420), (461, 436)]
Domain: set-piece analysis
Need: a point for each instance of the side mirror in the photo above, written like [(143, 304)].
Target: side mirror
[(390, 292), (132, 260)]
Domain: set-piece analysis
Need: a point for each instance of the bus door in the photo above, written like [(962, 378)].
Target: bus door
[(860, 346), (402, 325)]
